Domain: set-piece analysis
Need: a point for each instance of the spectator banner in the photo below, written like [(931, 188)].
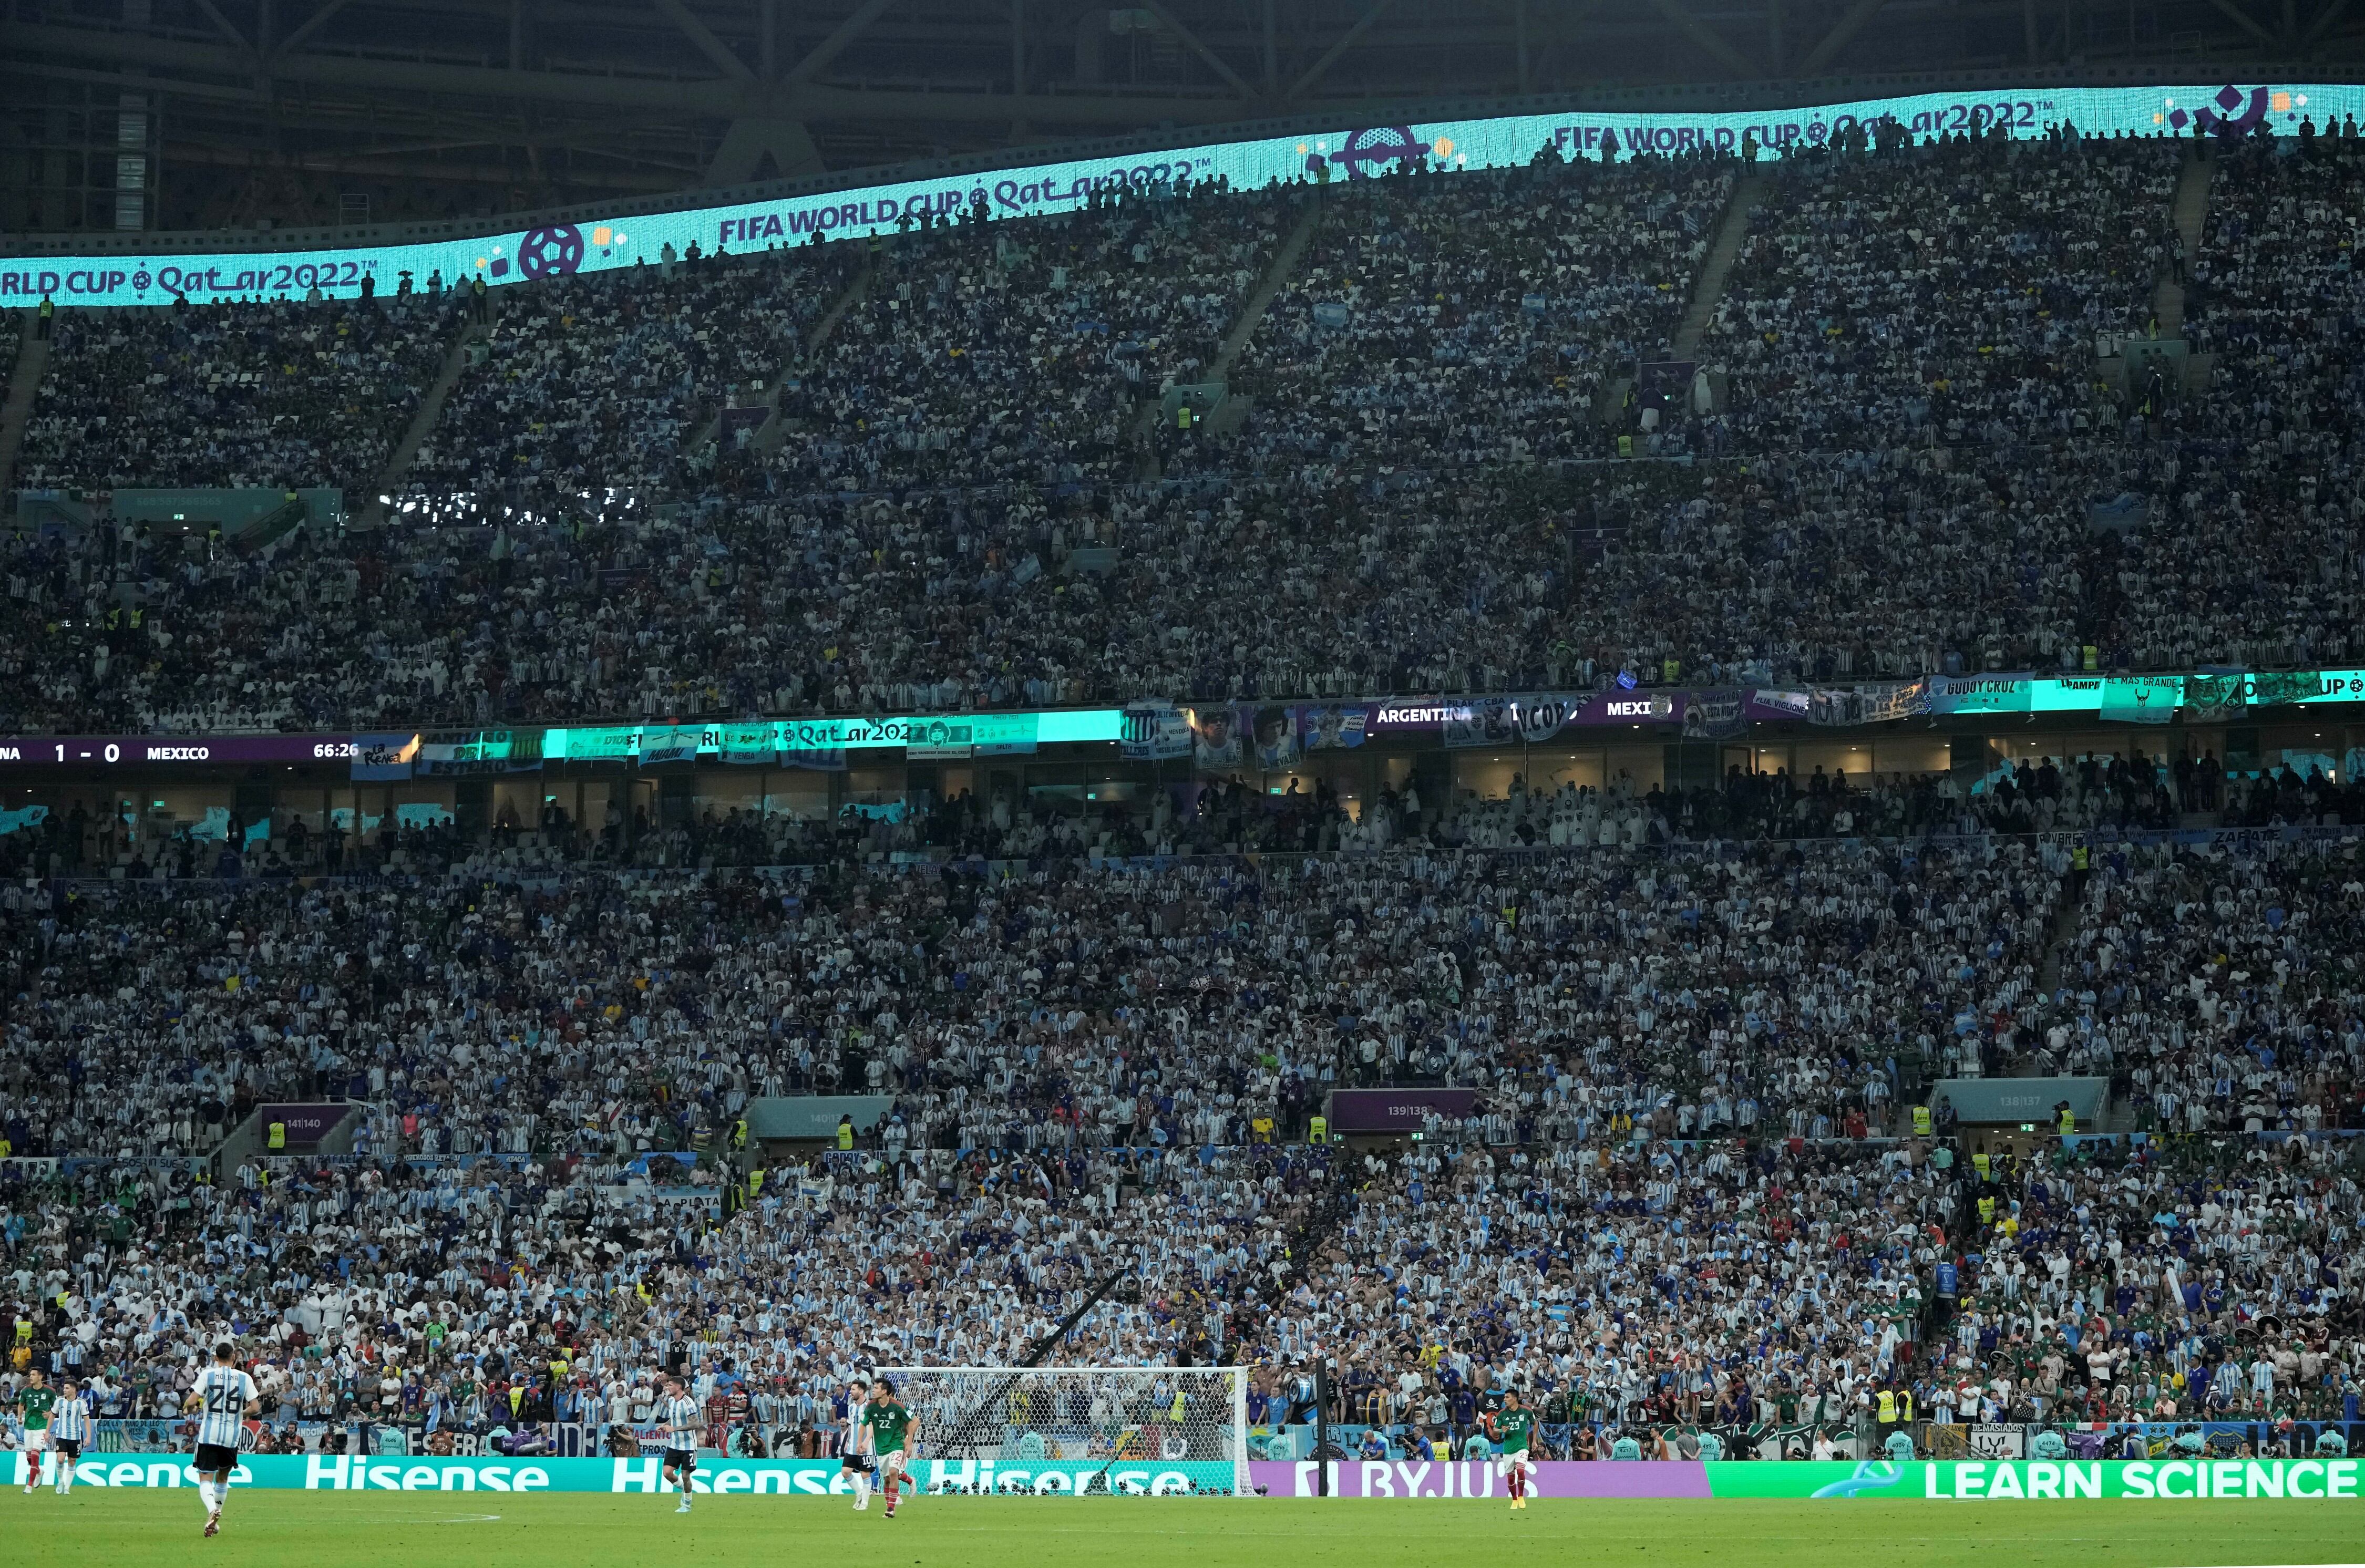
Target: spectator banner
[(1273, 733), (2142, 698), (937, 739), (661, 743), (2219, 695), (479, 753), (589, 243), (1512, 721), (1154, 732), (1997, 1442), (1331, 726), (1397, 1110), (750, 744), (1215, 736), (1983, 694), (1713, 716), (1841, 705), (384, 759), (972, 734), (2293, 686), (2240, 840), (1837, 1481)]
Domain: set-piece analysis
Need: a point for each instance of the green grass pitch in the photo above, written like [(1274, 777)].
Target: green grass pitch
[(136, 1530)]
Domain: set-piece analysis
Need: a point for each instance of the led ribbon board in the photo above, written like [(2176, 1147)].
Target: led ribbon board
[(1347, 152)]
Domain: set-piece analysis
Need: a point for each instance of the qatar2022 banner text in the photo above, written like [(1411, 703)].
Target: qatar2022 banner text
[(1349, 152), (2332, 1480)]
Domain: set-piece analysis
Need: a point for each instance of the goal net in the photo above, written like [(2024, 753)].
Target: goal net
[(1128, 1431)]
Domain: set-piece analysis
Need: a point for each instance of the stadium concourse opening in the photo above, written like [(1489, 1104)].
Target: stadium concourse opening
[(1490, 811)]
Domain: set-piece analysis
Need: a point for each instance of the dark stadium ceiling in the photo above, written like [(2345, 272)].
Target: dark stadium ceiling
[(561, 100)]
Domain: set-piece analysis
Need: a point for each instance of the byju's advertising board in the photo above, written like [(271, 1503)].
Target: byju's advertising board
[(2327, 1480)]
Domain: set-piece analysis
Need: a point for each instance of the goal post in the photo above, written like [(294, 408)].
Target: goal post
[(1119, 1431)]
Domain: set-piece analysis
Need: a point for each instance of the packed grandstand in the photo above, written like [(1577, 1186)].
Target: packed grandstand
[(1694, 1175)]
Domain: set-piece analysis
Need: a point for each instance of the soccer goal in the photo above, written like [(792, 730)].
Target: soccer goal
[(1123, 1431)]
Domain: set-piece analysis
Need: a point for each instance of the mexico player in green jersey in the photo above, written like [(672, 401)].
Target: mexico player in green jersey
[(892, 1430), (1513, 1430), (34, 1405)]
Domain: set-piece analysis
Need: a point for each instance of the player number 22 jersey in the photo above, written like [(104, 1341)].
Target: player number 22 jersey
[(888, 1421)]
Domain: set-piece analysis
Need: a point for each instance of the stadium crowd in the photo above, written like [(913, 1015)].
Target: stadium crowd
[(1729, 989), (1955, 291), (270, 395), (2216, 989), (984, 354), (1776, 1295), (1671, 1205), (1458, 321), (1903, 477), (596, 385)]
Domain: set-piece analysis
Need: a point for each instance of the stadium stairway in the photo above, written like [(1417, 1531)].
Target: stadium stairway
[(32, 361), (2190, 212), (769, 434), (1229, 413), (2056, 946), (1749, 193), (423, 420)]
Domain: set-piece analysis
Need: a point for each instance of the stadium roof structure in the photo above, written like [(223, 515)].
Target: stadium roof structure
[(542, 103)]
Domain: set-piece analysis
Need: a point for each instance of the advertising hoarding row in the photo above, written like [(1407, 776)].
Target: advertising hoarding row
[(2318, 1479)]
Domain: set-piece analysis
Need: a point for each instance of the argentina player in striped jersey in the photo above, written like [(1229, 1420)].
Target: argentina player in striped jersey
[(681, 1416), (69, 1429), (223, 1400)]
